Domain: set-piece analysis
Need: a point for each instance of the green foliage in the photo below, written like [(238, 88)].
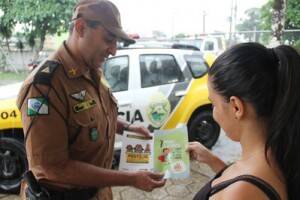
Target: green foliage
[(20, 45), (251, 23), (293, 14), (41, 17), (293, 22), (6, 23), (5, 30), (266, 15), (292, 19), (31, 40), (3, 61), (266, 20), (297, 45), (8, 77), (180, 35), (51, 16)]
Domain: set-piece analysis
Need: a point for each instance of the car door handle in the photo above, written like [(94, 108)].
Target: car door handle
[(125, 104), (180, 93)]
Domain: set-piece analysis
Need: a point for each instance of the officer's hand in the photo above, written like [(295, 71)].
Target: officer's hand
[(148, 181), (140, 130)]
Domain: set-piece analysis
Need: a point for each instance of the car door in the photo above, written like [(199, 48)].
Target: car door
[(117, 72), (162, 85), (154, 86)]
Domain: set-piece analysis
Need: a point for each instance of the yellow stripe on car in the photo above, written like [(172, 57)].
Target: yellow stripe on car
[(10, 117), (196, 96)]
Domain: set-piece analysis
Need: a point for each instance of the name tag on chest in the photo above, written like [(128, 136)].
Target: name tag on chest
[(84, 105)]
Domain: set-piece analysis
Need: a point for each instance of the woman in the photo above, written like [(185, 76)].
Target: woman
[(255, 92)]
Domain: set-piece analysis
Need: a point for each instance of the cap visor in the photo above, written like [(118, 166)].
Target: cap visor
[(121, 35)]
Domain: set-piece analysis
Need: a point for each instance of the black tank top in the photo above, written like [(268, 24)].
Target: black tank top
[(208, 191)]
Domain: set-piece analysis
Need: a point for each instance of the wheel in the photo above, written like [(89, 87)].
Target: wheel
[(13, 164), (204, 129)]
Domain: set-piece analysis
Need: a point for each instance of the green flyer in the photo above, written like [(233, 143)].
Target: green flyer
[(170, 154), (165, 152)]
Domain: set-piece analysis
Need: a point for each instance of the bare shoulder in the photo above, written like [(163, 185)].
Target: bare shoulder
[(245, 190), (240, 190)]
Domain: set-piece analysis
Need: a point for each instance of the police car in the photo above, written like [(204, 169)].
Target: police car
[(155, 87), (161, 88)]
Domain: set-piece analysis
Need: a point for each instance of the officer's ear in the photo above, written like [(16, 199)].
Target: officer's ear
[(79, 27)]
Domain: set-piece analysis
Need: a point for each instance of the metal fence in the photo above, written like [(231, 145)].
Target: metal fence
[(290, 37)]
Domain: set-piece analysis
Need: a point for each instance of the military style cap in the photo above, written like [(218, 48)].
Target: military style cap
[(104, 12)]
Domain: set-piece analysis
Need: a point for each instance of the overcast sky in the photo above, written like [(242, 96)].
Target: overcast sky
[(176, 16)]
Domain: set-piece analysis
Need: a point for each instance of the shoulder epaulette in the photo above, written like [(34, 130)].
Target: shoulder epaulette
[(46, 72)]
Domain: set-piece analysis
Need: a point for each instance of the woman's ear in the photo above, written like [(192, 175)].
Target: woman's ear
[(237, 106), (79, 27)]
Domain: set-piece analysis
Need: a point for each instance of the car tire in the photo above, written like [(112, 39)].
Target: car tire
[(204, 129), (13, 163)]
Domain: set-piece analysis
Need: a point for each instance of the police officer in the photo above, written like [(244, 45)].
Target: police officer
[(70, 116)]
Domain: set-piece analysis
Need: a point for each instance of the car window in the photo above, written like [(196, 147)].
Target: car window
[(209, 46), (116, 73), (197, 65), (159, 70)]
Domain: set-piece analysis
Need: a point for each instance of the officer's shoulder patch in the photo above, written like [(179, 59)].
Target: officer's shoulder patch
[(46, 72), (37, 106)]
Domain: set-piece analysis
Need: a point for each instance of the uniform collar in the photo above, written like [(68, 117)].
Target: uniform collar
[(73, 67)]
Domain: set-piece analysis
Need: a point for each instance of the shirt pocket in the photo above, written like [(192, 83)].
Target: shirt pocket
[(88, 134)]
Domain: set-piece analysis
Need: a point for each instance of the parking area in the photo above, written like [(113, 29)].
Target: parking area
[(175, 189)]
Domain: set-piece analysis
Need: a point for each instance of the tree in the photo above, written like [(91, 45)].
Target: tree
[(266, 16), (266, 19), (6, 32), (291, 21), (278, 19), (42, 17), (3, 60), (251, 23), (6, 24), (180, 35), (293, 14)]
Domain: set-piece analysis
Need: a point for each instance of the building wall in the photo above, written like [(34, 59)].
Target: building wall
[(17, 61)]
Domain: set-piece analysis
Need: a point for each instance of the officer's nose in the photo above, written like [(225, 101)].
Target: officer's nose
[(112, 48)]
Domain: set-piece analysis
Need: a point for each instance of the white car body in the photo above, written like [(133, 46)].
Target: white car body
[(134, 102)]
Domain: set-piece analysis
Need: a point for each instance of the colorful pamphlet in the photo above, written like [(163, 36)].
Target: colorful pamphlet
[(165, 152)]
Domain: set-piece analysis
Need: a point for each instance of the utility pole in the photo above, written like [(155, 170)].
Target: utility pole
[(203, 21), (234, 19), (230, 23)]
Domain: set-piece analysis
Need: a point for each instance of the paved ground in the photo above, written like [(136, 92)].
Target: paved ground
[(175, 189)]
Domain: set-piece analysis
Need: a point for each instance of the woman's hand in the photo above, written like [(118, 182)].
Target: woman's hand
[(200, 153)]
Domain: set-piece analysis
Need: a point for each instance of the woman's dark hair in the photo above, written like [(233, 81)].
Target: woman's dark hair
[(268, 79)]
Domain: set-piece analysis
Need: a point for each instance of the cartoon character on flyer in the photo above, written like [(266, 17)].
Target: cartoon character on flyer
[(165, 156)]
